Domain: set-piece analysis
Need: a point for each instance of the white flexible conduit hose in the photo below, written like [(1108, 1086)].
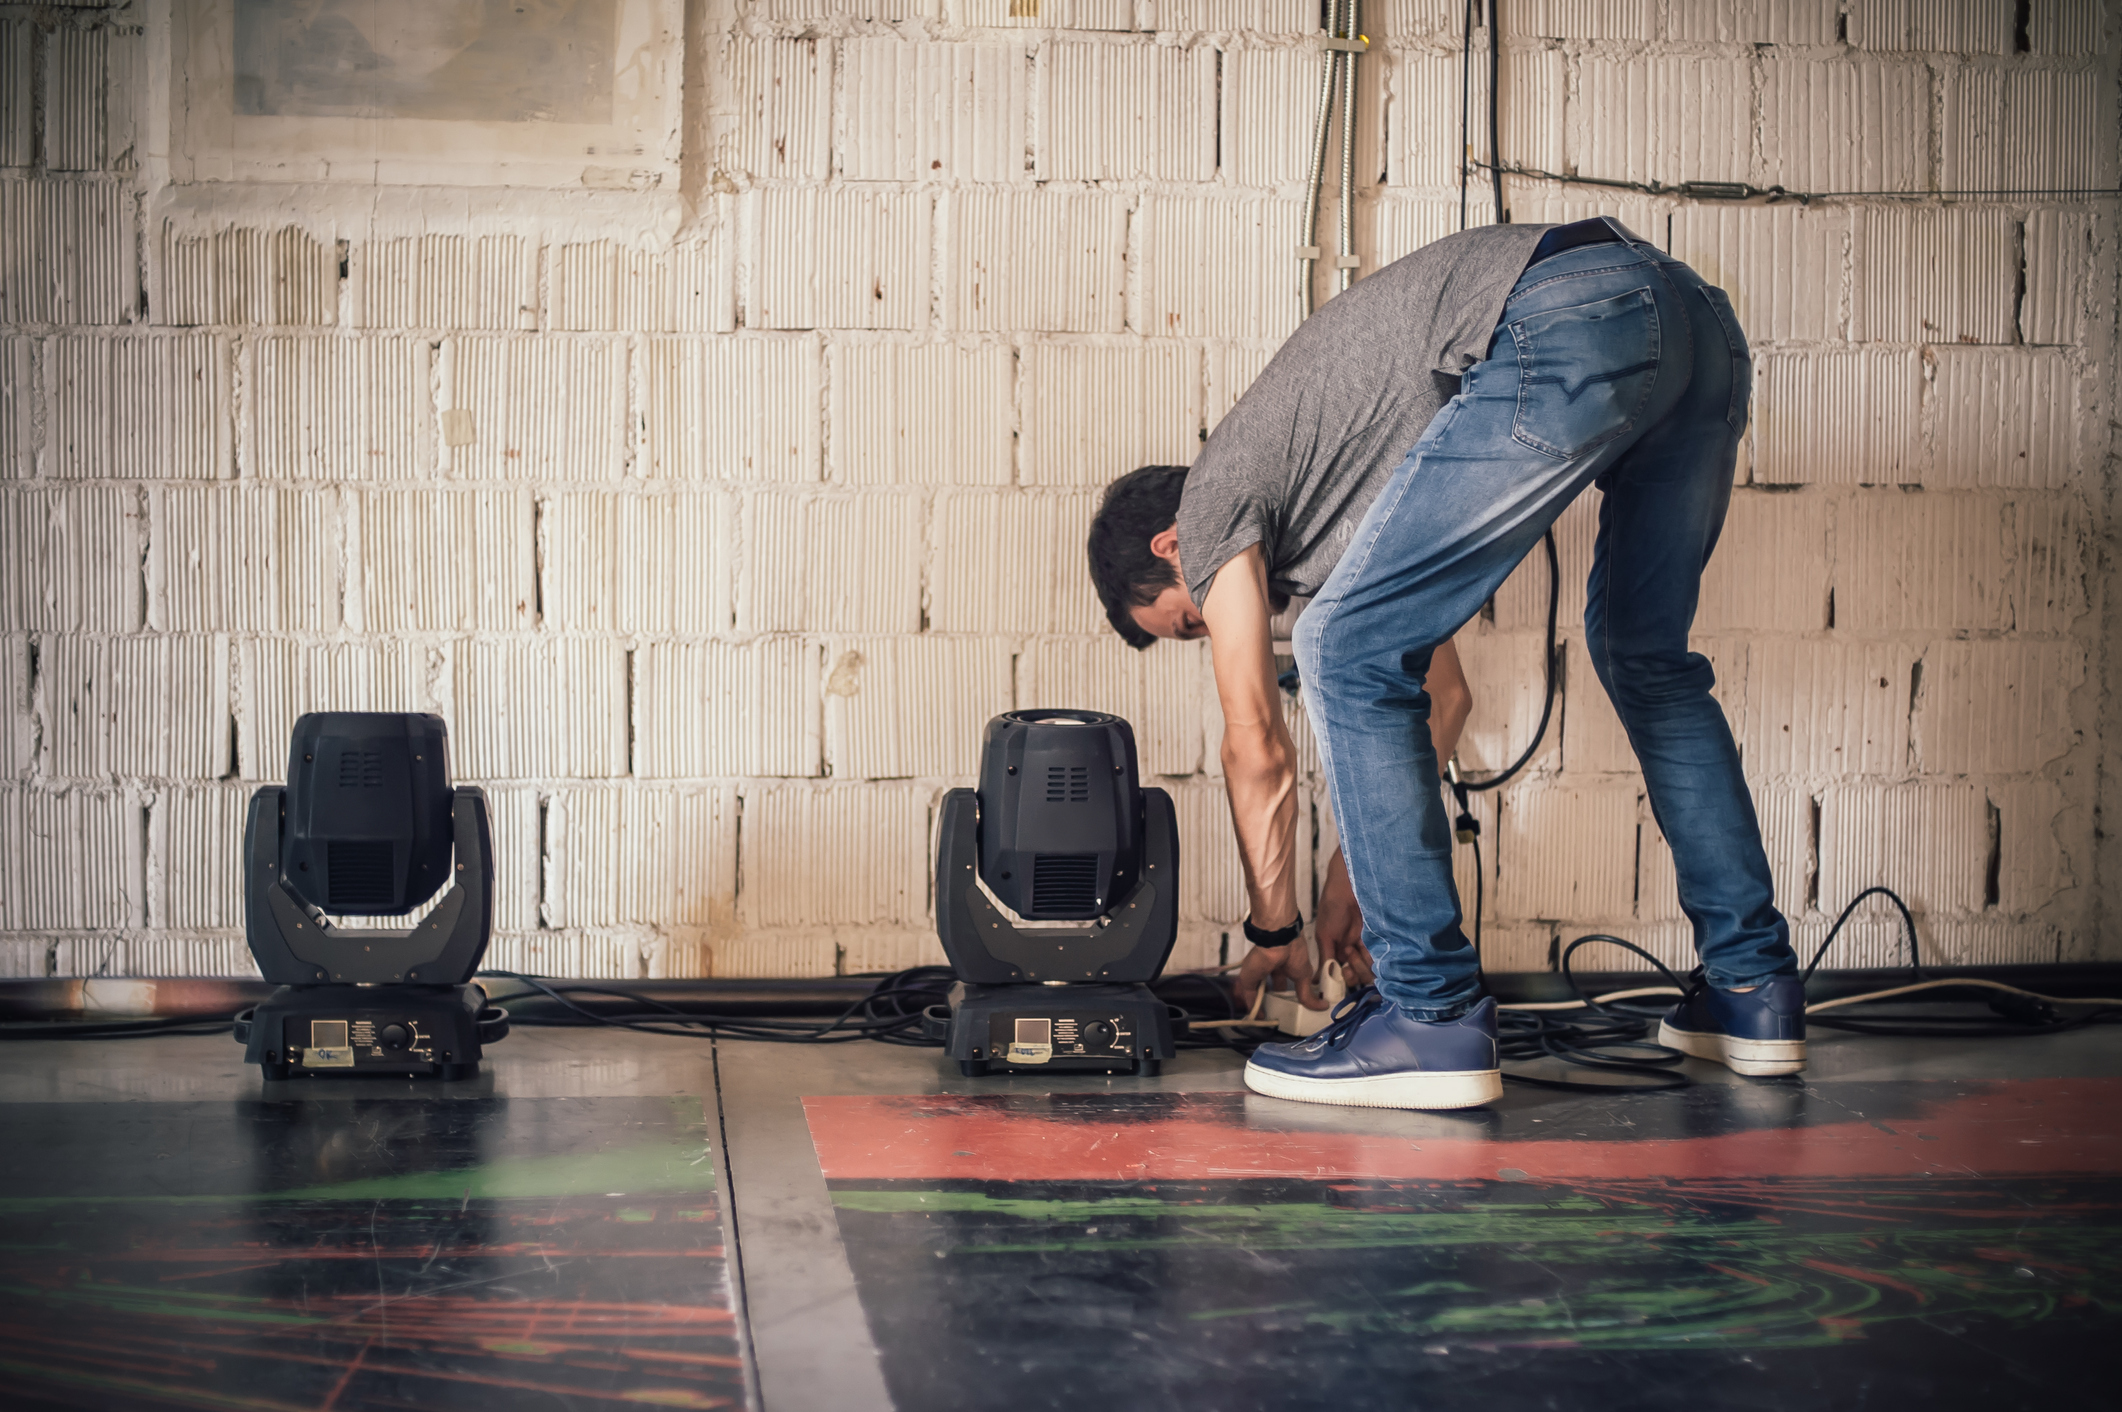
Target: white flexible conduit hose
[(1347, 262)]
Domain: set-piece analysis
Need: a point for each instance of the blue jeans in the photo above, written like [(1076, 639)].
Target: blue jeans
[(1616, 365)]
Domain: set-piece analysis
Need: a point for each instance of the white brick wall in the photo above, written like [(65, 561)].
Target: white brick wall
[(717, 534)]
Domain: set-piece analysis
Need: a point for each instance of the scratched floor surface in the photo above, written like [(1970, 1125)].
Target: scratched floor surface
[(1924, 1225), (381, 1247), (1912, 1242)]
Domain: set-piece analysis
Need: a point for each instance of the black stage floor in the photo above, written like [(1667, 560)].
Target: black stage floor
[(610, 1220)]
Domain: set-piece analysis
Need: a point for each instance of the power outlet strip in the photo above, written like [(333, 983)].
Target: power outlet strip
[(1285, 1012)]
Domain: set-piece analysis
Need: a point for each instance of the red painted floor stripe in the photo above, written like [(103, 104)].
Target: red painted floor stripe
[(2011, 1127)]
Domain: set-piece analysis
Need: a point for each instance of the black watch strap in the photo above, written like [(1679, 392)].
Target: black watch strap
[(1281, 937)]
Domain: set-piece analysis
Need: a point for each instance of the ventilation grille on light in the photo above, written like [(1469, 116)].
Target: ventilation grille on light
[(360, 769), (1064, 882), (360, 874), (1067, 784)]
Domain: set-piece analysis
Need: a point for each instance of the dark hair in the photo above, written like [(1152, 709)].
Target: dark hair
[(1138, 506)]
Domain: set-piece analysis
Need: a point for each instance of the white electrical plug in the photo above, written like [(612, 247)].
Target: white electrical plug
[(1285, 1012)]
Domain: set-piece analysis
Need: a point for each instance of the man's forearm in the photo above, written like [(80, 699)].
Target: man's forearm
[(1260, 770)]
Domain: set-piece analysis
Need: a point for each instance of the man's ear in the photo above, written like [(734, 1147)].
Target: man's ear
[(1165, 543)]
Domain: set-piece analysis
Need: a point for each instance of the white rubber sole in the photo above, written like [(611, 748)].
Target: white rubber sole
[(1465, 1089), (1757, 1058)]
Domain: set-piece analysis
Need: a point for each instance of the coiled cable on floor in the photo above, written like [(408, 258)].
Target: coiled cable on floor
[(892, 1013)]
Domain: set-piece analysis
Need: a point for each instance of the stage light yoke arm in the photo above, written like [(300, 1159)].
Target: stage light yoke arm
[(1259, 759)]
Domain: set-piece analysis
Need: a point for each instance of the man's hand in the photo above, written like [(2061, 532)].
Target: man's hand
[(1293, 962), (1341, 925)]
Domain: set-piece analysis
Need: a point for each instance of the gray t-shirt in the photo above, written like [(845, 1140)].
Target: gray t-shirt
[(1313, 441)]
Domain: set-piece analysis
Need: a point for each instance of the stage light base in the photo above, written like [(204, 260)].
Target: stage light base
[(371, 1031), (1027, 1029)]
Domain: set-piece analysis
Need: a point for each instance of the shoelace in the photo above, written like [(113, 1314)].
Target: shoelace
[(1344, 1017)]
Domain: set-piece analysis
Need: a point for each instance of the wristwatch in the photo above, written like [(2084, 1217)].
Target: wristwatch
[(1280, 937)]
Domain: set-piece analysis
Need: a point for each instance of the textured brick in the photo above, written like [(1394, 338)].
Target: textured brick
[(2059, 262), (447, 282), (66, 252), (1092, 413), (1993, 708), (936, 414), (775, 954), (239, 275), (1112, 112), (832, 563), (1770, 567), (662, 856), (577, 955), (902, 707), (746, 409), (18, 729), (1582, 19), (1269, 16), (195, 858), (1423, 149), (2024, 129), (2066, 29), (1509, 684), (1826, 709), (1220, 266), (782, 94), (278, 680), (2033, 861), (1933, 276), (543, 409), (155, 707), (73, 862), (1838, 418), (1928, 842), (17, 108), (142, 407), (1753, 21), (1835, 125), (2051, 548), (1663, 117), (441, 560), (1011, 563), (73, 559), (1270, 105), (2003, 419), (1045, 261), (877, 837), (1212, 882), (243, 559), (513, 812), (1566, 852), (916, 111), (1951, 26), (339, 409), (1922, 561), (22, 403), (708, 709), (78, 98), (1046, 14), (1782, 266), (1153, 691), (851, 258), (637, 563), (539, 708), (688, 288)]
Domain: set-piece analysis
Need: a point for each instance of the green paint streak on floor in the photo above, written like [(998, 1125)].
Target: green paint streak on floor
[(1635, 1276), (165, 1303)]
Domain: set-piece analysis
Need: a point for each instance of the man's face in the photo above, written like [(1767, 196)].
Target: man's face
[(1172, 615)]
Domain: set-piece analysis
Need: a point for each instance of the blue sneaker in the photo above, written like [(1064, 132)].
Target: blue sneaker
[(1374, 1055), (1759, 1032)]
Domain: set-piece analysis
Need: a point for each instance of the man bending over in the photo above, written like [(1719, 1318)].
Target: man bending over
[(1395, 460)]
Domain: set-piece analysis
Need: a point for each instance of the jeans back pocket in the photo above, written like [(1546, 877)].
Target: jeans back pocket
[(1584, 372)]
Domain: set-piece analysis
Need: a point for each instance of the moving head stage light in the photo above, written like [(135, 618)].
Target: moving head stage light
[(367, 825), (1059, 830)]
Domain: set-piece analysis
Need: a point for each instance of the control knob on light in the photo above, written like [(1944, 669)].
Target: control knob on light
[(1097, 1034), (394, 1036)]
